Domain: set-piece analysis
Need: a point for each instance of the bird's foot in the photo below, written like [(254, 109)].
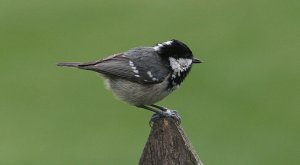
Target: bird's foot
[(165, 114)]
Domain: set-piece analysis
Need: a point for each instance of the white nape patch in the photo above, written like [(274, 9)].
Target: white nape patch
[(179, 65), (150, 74), (168, 43), (158, 46)]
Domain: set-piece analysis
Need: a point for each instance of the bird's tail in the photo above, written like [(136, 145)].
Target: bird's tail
[(69, 64)]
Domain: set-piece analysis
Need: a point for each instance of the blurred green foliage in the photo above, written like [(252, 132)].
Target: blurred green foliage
[(240, 107)]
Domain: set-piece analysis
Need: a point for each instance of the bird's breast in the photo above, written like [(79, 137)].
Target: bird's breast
[(138, 94)]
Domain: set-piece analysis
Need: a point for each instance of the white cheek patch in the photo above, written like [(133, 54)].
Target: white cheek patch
[(175, 66), (180, 65), (185, 63)]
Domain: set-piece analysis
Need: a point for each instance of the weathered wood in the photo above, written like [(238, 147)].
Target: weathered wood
[(168, 145)]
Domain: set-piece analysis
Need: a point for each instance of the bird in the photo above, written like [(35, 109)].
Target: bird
[(143, 76)]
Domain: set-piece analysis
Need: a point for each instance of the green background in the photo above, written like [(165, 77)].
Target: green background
[(240, 107)]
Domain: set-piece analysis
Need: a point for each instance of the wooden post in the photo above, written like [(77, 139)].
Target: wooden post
[(168, 145)]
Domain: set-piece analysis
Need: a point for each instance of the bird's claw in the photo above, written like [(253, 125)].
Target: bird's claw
[(165, 114)]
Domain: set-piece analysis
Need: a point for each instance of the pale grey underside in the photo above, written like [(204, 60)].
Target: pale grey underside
[(137, 94)]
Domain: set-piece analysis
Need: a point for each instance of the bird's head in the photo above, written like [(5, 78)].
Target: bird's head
[(177, 50), (177, 53), (179, 56)]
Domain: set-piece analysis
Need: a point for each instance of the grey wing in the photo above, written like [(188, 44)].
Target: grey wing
[(140, 65)]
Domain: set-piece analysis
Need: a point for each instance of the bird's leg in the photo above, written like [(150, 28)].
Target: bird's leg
[(162, 113), (160, 107), (151, 109)]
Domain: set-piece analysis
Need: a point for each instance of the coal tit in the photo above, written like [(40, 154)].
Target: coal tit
[(143, 76)]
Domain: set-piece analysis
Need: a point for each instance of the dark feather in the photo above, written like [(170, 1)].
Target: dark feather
[(142, 65), (69, 64)]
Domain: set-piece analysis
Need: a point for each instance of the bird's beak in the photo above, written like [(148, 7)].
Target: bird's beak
[(196, 61)]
